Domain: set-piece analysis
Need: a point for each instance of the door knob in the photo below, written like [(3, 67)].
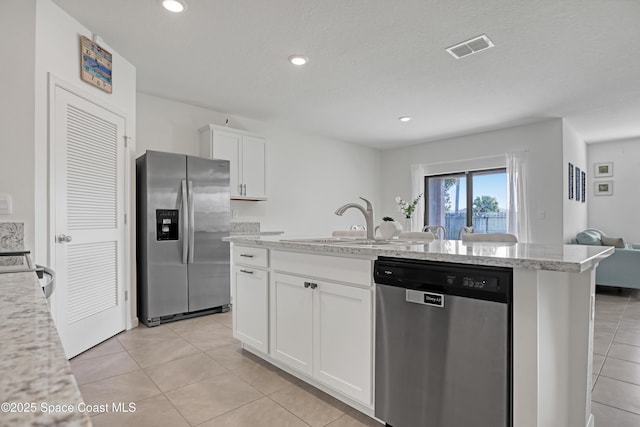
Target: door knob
[(62, 238)]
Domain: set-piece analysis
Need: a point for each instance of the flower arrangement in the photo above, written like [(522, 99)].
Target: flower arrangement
[(407, 208)]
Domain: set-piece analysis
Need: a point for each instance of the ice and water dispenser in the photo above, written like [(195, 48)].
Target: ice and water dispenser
[(167, 224)]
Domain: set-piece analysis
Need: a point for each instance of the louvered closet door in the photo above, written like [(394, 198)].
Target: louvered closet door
[(89, 222)]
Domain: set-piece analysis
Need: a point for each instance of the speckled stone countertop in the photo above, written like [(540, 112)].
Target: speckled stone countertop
[(33, 367), (567, 258)]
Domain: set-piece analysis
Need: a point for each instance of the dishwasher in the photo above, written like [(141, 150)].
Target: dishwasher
[(443, 352)]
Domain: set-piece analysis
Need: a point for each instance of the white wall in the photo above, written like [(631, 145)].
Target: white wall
[(58, 55), (308, 177), (574, 150), (17, 44), (54, 52), (616, 215), (543, 140)]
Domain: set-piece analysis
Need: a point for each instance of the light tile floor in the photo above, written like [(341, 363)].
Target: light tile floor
[(616, 358), (193, 372)]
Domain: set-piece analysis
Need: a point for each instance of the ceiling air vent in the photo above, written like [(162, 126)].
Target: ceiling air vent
[(470, 47)]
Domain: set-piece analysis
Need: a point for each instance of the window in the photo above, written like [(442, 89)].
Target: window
[(476, 198)]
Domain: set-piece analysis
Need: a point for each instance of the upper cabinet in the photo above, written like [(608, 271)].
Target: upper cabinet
[(245, 151)]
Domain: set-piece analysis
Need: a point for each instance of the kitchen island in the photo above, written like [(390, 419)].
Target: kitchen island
[(37, 386), (326, 337)]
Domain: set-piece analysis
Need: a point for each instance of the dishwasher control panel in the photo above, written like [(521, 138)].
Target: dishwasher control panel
[(477, 282), (445, 278)]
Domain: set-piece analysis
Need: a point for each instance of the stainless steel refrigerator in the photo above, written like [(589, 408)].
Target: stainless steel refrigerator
[(183, 211)]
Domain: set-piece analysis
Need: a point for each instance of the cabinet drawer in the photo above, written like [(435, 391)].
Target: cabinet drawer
[(350, 270), (245, 255)]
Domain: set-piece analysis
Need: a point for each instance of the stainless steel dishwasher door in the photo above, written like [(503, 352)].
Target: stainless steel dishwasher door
[(441, 366)]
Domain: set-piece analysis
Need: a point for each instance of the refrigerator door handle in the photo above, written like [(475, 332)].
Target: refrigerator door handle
[(191, 222), (185, 223)]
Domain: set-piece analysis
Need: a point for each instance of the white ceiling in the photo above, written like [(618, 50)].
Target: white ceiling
[(372, 61)]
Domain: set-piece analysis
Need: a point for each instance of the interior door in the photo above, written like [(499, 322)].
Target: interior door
[(88, 205)]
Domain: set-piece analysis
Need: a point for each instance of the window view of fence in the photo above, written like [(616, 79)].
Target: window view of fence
[(488, 222), (476, 198)]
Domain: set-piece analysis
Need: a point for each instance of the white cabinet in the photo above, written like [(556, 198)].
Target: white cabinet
[(291, 321), (325, 330), (342, 336), (309, 314), (251, 297), (247, 155)]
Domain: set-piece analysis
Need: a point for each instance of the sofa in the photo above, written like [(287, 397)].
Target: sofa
[(622, 268)]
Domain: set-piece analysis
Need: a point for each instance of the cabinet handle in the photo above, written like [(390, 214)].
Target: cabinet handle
[(313, 285), (245, 189), (247, 255), (247, 271), (307, 284), (240, 186)]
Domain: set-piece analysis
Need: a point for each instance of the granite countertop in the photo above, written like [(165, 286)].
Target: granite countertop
[(567, 258), (33, 368)]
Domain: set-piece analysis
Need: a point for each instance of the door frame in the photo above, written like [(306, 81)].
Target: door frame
[(55, 81)]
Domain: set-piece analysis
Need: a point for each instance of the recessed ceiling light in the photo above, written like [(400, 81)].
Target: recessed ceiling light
[(298, 59), (405, 118), (175, 6)]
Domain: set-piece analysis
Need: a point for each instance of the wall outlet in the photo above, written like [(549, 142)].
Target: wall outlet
[(6, 207), (234, 213)]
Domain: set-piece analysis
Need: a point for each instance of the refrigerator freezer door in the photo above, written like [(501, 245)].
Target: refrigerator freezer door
[(166, 275), (208, 270)]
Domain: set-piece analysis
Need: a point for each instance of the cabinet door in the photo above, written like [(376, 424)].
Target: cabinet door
[(291, 329), (253, 169), (226, 146), (250, 308), (343, 325)]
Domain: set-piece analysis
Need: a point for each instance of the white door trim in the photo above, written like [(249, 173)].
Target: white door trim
[(53, 82)]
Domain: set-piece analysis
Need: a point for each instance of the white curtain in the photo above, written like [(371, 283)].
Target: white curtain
[(517, 211), (417, 187)]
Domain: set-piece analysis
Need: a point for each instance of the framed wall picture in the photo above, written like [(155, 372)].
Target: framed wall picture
[(602, 170), (96, 64), (577, 184), (584, 187), (603, 188), (570, 179)]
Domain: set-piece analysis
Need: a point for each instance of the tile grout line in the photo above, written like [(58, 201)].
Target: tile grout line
[(238, 407), (606, 356), (286, 409), (156, 385), (614, 407)]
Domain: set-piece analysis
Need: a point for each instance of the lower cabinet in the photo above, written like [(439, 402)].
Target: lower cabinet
[(250, 306), (325, 330)]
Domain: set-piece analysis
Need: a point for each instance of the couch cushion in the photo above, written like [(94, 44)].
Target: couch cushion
[(618, 242), (589, 237)]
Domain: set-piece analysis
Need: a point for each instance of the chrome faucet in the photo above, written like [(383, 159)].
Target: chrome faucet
[(368, 214)]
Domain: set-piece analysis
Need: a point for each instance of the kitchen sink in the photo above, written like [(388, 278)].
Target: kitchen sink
[(356, 242), (324, 241)]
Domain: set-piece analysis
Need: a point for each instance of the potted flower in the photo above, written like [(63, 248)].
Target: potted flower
[(389, 228), (407, 209)]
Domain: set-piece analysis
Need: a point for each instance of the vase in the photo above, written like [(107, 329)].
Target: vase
[(407, 224), (389, 229)]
